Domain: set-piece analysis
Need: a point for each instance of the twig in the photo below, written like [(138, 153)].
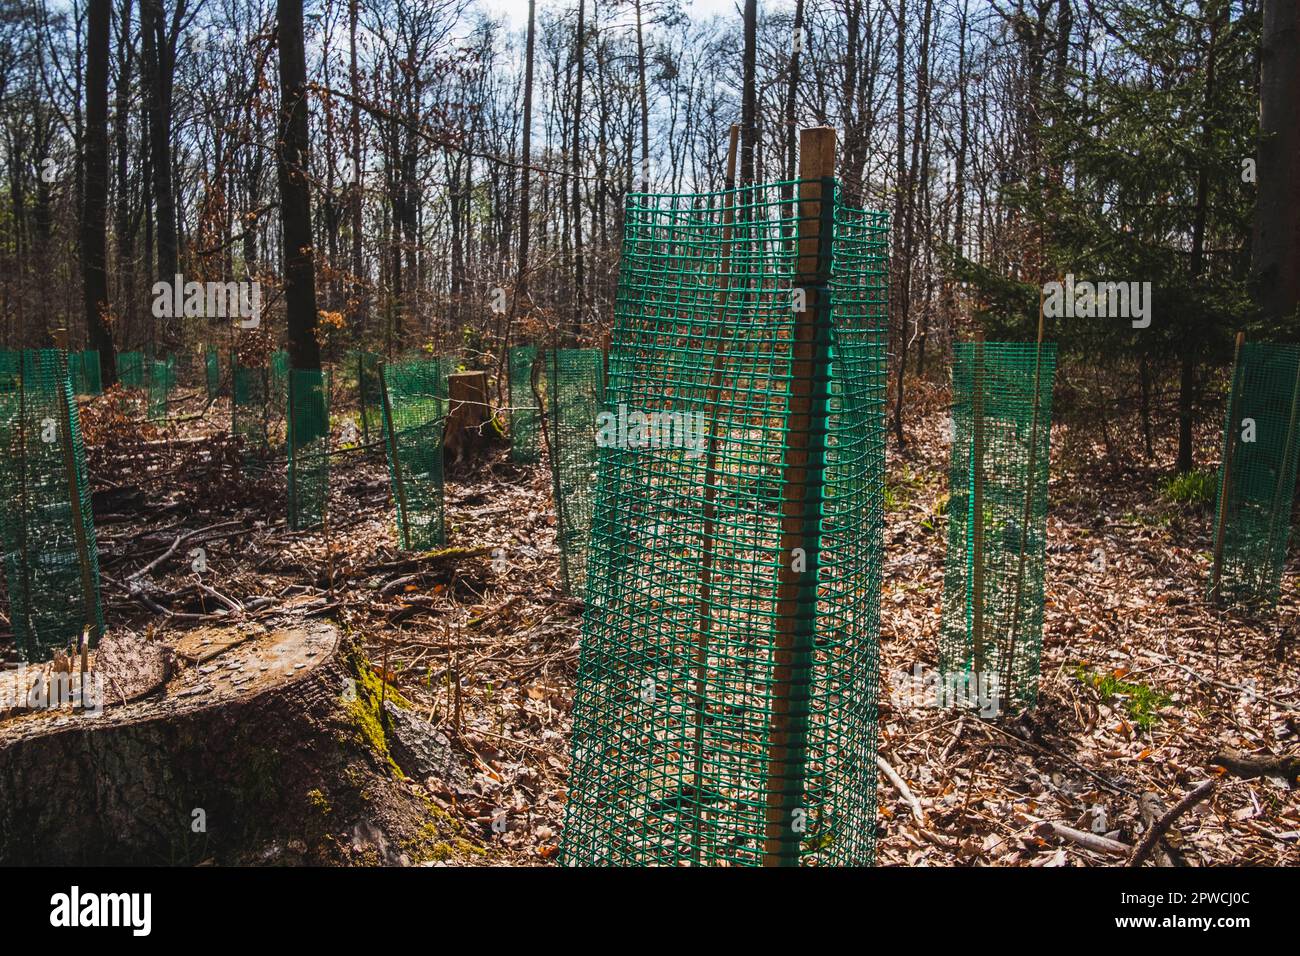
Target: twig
[(1157, 829), (180, 540), (1104, 781), (234, 606), (1211, 682), (956, 736), (1089, 841), (902, 788)]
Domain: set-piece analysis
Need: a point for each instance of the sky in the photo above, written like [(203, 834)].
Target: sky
[(516, 11)]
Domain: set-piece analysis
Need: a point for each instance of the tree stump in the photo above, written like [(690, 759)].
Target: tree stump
[(469, 416), (247, 744)]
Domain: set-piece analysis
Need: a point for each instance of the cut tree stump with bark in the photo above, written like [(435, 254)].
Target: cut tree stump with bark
[(468, 420), (241, 744)]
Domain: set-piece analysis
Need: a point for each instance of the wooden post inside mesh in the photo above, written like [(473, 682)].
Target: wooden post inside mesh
[(1225, 486), (89, 596), (800, 502), (399, 484)]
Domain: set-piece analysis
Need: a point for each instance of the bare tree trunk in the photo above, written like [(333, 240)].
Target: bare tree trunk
[(160, 63), (95, 200), (295, 200), (959, 172), (900, 196), (791, 91), (578, 277), (122, 227), (356, 211), (645, 101), (525, 196), (749, 95), (1187, 358), (1276, 248)]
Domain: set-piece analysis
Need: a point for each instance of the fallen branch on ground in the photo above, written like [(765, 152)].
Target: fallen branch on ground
[(1089, 841), (1249, 766), (902, 788), (1148, 841)]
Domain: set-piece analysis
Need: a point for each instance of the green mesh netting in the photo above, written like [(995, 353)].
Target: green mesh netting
[(414, 399), (575, 389), (161, 380), (84, 369), (250, 409), (725, 711), (448, 365), (212, 373), (47, 528), (364, 368), (308, 444), (992, 625), (279, 374), (130, 370), (1261, 443), (523, 405)]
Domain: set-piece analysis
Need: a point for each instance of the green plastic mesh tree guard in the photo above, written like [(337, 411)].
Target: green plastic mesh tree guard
[(992, 627), (279, 374), (250, 409), (308, 442), (130, 370), (575, 389), (364, 366), (162, 379), (725, 711), (523, 405), (1260, 439), (415, 411), (46, 524), (85, 372), (212, 372)]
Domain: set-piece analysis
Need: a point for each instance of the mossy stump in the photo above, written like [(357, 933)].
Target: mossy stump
[(248, 744)]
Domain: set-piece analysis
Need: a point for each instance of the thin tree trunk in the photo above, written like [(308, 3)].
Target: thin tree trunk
[(900, 198), (295, 200), (160, 62), (578, 277), (356, 210), (122, 227), (1276, 247), (1187, 375), (645, 102), (95, 202), (525, 195), (791, 92), (749, 95)]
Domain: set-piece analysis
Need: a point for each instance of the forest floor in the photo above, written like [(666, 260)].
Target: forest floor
[(1142, 682)]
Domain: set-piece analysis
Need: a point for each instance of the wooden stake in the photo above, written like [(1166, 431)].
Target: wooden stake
[(977, 505), (400, 490), (1006, 689), (700, 663), (1225, 486), (800, 505)]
